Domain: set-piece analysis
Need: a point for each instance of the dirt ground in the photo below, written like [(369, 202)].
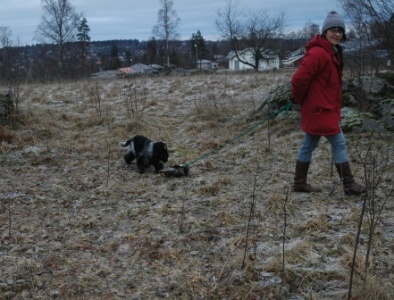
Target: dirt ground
[(76, 222)]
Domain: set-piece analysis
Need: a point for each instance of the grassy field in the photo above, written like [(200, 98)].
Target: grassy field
[(76, 222)]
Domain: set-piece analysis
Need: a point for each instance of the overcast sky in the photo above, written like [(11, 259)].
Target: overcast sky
[(134, 19)]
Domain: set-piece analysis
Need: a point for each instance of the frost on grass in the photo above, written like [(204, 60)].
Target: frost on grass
[(78, 223)]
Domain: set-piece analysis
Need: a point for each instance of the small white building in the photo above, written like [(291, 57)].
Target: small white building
[(204, 64), (294, 58), (271, 62)]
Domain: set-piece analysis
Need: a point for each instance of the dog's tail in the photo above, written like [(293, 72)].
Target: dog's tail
[(125, 144)]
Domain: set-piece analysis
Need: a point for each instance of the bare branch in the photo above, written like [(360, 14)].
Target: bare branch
[(252, 34)]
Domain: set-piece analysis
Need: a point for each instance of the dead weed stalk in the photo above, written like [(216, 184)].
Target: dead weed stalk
[(284, 231), (376, 172), (95, 93), (182, 216), (9, 219), (251, 215), (108, 161), (135, 105), (250, 218)]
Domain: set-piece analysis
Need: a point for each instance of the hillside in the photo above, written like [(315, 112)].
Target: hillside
[(76, 222)]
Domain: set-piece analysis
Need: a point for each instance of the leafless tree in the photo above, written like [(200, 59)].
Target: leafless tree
[(372, 20), (58, 26), (167, 23), (11, 74), (254, 33), (309, 30), (377, 14), (5, 43), (5, 36)]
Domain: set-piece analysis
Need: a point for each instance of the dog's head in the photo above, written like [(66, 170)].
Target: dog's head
[(160, 151)]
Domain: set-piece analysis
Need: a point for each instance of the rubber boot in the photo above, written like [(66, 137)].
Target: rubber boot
[(301, 173), (350, 186)]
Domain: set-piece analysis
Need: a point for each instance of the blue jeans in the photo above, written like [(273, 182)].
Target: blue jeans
[(310, 143)]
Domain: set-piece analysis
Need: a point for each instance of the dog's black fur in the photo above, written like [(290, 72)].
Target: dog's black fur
[(146, 152)]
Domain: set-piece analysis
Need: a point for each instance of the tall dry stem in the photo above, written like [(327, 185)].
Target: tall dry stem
[(251, 214), (250, 217), (376, 171), (135, 104), (182, 216), (9, 219), (108, 161), (95, 93), (284, 232)]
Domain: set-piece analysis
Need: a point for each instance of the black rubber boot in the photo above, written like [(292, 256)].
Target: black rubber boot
[(349, 184), (301, 173)]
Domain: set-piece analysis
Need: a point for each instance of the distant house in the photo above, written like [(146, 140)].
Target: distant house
[(221, 61), (157, 67), (125, 70), (294, 58), (219, 58), (143, 69), (271, 62), (138, 69), (204, 64)]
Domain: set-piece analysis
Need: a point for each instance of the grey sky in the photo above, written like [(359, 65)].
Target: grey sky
[(134, 19)]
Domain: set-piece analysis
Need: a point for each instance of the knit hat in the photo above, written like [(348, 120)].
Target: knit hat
[(333, 19)]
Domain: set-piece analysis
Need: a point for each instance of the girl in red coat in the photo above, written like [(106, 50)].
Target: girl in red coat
[(317, 88)]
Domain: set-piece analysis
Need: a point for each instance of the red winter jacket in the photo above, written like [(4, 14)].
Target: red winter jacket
[(317, 87)]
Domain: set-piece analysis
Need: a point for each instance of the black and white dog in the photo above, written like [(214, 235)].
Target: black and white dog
[(146, 152)]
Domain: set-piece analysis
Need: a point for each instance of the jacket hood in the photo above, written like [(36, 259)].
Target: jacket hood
[(319, 41)]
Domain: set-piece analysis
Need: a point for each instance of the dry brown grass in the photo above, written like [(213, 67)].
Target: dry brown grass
[(77, 223)]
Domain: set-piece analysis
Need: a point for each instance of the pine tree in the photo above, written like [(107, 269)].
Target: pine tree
[(199, 49), (114, 57), (128, 56), (83, 37), (151, 51)]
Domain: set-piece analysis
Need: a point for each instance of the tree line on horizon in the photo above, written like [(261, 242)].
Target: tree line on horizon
[(65, 50)]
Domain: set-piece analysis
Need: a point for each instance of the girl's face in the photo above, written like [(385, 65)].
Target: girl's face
[(334, 35)]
